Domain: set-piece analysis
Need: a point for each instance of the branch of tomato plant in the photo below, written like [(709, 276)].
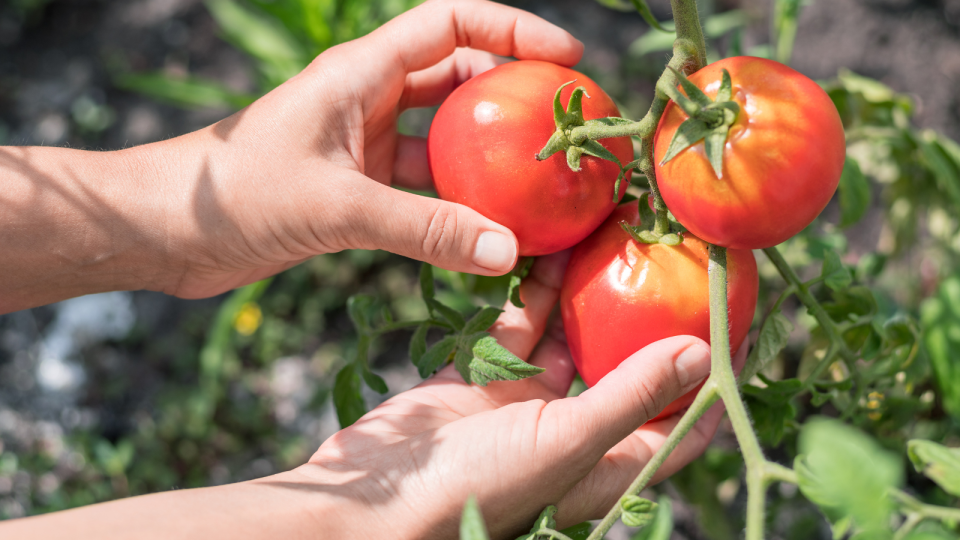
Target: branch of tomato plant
[(917, 511), (838, 347)]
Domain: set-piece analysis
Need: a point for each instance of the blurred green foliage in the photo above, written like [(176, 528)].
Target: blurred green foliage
[(219, 412)]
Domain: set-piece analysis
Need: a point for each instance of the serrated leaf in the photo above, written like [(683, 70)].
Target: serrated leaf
[(637, 511), (461, 361), (834, 273), (418, 343), (856, 301), (347, 398), (436, 356), (452, 316), (689, 133), (427, 289), (937, 462), (854, 191), (516, 278), (483, 320), (774, 335), (490, 361), (847, 473), (771, 408), (472, 526)]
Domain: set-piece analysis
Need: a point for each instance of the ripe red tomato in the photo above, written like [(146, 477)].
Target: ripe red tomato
[(619, 296), (481, 151), (781, 163)]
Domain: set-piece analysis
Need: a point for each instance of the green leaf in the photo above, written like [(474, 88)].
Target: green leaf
[(938, 463), (852, 302), (637, 511), (774, 335), (689, 133), (644, 10), (597, 150), (580, 531), (452, 316), (516, 278), (375, 382), (427, 289), (854, 191), (940, 318), (942, 167), (544, 521), (847, 473), (662, 526), (483, 320), (471, 524), (771, 408), (347, 398), (261, 36), (358, 308), (418, 343), (436, 356), (899, 330), (835, 275), (191, 92), (490, 361)]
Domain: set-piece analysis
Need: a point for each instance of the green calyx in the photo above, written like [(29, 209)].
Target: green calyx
[(645, 233), (709, 120), (565, 140)]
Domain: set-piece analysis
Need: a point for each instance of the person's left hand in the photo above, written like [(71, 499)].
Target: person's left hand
[(410, 464)]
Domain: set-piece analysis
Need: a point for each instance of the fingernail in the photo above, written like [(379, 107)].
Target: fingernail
[(495, 251), (693, 365)]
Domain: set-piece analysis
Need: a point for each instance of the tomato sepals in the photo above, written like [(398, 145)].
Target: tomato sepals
[(645, 233), (709, 120), (563, 140)]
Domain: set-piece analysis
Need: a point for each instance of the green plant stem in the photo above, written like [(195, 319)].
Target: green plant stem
[(552, 534), (722, 369), (706, 397), (837, 345), (917, 511)]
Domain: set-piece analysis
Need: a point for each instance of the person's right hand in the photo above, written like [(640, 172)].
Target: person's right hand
[(307, 169)]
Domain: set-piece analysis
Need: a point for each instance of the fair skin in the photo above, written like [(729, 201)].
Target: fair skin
[(306, 170)]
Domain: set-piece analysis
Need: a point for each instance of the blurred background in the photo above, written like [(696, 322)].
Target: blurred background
[(127, 393)]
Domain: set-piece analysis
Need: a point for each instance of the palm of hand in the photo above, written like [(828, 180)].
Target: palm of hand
[(517, 445)]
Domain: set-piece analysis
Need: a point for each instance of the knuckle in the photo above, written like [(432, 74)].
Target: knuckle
[(442, 232)]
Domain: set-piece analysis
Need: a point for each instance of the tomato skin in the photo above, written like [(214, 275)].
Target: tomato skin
[(781, 164), (482, 147), (619, 295)]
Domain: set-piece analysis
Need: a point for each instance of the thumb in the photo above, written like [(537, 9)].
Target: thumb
[(637, 390), (444, 234)]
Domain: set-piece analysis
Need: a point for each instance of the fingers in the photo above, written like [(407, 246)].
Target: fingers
[(429, 33), (410, 168), (431, 86), (441, 233), (636, 391), (593, 496)]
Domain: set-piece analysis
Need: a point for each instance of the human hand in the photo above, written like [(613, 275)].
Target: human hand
[(409, 465), (307, 168)]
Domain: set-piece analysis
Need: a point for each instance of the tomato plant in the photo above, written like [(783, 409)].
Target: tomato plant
[(781, 161), (620, 295), (482, 147)]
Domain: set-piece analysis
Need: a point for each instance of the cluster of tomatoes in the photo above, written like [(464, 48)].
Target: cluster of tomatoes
[(781, 164)]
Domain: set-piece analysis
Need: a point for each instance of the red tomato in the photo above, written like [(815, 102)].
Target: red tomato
[(619, 296), (781, 163), (482, 145)]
